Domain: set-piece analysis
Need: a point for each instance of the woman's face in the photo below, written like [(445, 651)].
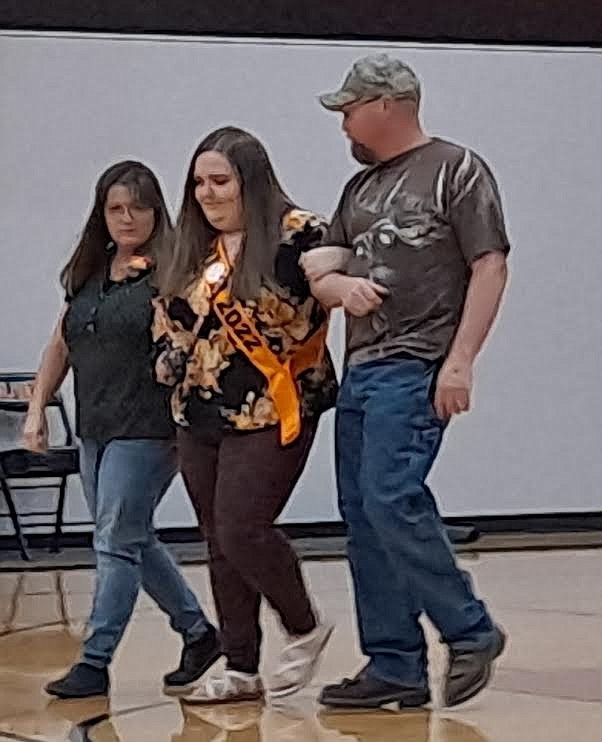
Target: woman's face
[(130, 224), (218, 192)]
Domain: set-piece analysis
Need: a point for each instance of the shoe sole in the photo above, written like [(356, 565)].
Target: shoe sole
[(69, 696), (407, 701), (175, 689), (179, 690), (278, 693), (245, 698), (481, 682)]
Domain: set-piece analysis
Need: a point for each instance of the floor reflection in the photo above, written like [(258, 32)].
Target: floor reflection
[(254, 723), (13, 602)]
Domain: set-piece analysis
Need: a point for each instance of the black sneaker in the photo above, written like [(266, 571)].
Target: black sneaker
[(366, 691), (195, 660), (82, 681), (469, 670)]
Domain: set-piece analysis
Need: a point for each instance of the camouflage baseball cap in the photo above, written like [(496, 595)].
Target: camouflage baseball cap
[(374, 77)]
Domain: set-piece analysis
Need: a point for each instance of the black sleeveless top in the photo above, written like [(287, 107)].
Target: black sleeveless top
[(107, 329)]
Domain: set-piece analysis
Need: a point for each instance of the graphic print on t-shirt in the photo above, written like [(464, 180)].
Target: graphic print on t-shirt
[(415, 224)]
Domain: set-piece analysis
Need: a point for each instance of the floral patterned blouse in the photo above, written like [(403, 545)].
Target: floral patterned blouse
[(216, 385)]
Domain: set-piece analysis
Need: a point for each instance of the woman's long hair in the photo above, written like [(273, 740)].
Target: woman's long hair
[(89, 257), (264, 205)]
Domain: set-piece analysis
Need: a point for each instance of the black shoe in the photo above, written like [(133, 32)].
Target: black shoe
[(81, 681), (366, 691), (469, 670), (195, 660)]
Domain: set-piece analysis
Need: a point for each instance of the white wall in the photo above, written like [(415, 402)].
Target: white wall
[(70, 106)]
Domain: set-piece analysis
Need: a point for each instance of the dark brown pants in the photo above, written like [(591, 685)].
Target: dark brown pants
[(239, 484)]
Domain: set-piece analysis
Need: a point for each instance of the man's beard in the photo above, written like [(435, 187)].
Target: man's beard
[(362, 154)]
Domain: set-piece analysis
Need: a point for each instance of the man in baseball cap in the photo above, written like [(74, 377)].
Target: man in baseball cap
[(416, 256)]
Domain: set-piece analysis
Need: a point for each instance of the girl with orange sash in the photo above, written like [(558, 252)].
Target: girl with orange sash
[(242, 342)]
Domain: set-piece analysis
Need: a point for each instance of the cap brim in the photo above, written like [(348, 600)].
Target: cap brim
[(337, 101)]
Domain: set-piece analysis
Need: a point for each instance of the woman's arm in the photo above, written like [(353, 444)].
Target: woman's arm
[(49, 377)]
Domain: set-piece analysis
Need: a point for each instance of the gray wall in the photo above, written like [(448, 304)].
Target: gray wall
[(72, 105)]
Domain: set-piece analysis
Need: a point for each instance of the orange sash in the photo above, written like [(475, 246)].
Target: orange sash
[(244, 335)]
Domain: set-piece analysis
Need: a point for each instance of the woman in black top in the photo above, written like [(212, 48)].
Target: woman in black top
[(127, 457)]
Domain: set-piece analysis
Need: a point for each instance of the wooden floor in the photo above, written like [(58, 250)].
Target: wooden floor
[(548, 687)]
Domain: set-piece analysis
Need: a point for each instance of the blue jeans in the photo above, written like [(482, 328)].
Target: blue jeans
[(124, 481), (387, 438)]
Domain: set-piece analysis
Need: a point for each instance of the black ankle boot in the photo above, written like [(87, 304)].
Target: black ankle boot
[(81, 681), (197, 657), (367, 691)]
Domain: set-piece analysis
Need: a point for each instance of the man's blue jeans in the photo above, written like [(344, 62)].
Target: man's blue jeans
[(387, 438), (124, 481)]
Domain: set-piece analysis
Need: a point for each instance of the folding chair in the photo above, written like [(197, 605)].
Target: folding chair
[(23, 470)]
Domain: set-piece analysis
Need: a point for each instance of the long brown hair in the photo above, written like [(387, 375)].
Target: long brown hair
[(264, 205), (89, 257)]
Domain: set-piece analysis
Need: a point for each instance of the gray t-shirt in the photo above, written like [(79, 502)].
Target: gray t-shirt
[(415, 224)]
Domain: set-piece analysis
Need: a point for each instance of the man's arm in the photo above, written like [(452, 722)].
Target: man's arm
[(483, 298), (358, 296), (329, 290), (477, 218), (325, 268), (320, 261)]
